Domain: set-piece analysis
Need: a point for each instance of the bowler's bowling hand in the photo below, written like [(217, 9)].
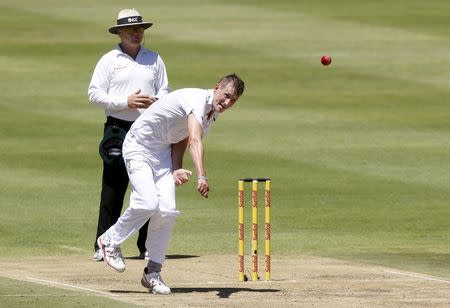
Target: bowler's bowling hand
[(181, 176), (203, 187)]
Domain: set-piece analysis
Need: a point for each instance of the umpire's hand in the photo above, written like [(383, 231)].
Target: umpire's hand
[(136, 101)]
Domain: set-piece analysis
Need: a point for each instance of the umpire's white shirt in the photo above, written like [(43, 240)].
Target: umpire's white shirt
[(117, 76), (166, 122)]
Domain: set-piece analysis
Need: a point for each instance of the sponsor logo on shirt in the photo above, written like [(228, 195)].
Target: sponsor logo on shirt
[(120, 67)]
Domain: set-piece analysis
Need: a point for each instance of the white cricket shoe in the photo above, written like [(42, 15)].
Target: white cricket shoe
[(112, 255), (98, 255), (154, 283)]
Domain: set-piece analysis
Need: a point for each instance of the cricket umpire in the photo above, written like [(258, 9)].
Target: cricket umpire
[(125, 82)]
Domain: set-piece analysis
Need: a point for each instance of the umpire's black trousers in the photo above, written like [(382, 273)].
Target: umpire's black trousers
[(114, 187)]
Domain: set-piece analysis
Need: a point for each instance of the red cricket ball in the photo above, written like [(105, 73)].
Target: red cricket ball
[(326, 60)]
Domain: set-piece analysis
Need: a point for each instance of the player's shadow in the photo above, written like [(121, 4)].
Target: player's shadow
[(128, 292), (222, 292), (181, 256), (167, 257)]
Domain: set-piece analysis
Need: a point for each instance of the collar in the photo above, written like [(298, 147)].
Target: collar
[(209, 98), (142, 49)]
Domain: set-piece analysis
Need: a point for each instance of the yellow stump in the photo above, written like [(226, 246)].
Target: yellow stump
[(254, 230), (267, 228), (241, 229)]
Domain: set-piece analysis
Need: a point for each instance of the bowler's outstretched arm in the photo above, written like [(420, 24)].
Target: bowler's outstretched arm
[(196, 149)]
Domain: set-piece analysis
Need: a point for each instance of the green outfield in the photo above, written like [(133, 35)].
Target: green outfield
[(358, 151)]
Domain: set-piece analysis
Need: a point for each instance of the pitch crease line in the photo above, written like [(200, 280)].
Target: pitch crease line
[(40, 295), (70, 286), (419, 276)]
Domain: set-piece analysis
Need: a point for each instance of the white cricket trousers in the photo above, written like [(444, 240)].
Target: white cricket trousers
[(152, 196)]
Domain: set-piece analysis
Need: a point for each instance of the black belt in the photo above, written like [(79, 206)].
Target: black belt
[(118, 122)]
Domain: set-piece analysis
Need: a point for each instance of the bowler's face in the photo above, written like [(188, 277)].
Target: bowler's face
[(224, 97)]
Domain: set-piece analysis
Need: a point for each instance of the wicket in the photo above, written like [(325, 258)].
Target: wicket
[(254, 230)]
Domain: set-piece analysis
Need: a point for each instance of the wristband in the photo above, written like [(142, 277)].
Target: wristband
[(202, 177)]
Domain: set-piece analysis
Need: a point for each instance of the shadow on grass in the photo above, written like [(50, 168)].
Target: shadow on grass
[(181, 256), (128, 292), (167, 257), (222, 292)]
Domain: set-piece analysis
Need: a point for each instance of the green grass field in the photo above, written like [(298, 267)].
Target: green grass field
[(358, 152)]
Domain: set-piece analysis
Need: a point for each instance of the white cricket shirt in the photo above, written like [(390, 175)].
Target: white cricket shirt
[(166, 122), (117, 76)]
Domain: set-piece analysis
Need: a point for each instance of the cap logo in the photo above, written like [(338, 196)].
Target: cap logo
[(129, 20)]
